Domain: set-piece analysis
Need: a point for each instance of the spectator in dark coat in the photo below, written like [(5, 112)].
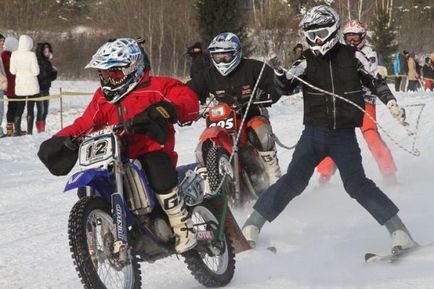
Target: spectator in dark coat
[(200, 60), (47, 74), (428, 73)]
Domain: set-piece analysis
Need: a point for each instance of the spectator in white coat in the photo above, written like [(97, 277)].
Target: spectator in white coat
[(24, 65)]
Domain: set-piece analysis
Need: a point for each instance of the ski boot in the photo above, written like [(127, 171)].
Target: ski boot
[(252, 227), (401, 238)]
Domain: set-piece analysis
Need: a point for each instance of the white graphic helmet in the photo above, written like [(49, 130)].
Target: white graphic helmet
[(320, 27), (120, 67)]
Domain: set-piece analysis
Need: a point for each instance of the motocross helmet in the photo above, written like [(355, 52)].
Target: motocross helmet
[(120, 67), (320, 26), (354, 33), (225, 51)]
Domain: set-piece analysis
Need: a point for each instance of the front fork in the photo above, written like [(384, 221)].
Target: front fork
[(118, 211), (236, 167)]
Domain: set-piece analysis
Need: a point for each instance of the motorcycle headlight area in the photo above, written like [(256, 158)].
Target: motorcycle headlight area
[(97, 151), (217, 111)]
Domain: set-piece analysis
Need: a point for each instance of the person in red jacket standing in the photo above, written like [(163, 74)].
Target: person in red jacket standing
[(148, 106)]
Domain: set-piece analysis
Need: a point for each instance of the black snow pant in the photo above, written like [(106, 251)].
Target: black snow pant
[(160, 171), (315, 144)]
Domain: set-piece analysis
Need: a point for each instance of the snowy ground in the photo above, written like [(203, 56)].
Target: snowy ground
[(321, 237)]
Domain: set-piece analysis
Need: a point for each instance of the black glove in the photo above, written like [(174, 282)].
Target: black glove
[(154, 121), (58, 155)]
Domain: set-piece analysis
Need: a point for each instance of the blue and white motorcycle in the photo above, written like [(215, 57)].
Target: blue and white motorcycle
[(118, 222)]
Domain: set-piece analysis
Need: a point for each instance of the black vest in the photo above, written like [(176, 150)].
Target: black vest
[(335, 72)]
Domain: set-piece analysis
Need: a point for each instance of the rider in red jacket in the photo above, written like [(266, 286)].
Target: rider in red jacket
[(150, 90), (148, 106)]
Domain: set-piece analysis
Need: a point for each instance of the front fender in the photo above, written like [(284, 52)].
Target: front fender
[(96, 178), (219, 136)]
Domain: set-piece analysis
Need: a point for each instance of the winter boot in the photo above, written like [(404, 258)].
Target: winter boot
[(181, 223), (17, 126), (401, 238), (9, 129), (252, 227), (271, 164), (30, 120), (40, 126)]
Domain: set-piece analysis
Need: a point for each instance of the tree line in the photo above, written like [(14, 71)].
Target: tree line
[(76, 28)]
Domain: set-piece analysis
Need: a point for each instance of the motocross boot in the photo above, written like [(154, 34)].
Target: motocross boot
[(401, 238), (182, 225), (271, 165)]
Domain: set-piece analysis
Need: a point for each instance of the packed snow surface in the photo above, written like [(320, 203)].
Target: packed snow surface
[(321, 237)]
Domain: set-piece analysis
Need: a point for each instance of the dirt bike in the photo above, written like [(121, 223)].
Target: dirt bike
[(119, 222), (244, 177)]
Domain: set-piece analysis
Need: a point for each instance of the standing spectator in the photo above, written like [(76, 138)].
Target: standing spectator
[(403, 60), (428, 73), (295, 54), (141, 41), (24, 66), (397, 70), (47, 74), (11, 44), (3, 86), (200, 61), (412, 73)]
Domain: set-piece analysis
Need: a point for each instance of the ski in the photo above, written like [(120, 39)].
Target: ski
[(395, 256)]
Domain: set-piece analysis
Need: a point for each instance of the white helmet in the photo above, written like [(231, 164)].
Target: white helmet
[(225, 51), (354, 33), (321, 26), (120, 67)]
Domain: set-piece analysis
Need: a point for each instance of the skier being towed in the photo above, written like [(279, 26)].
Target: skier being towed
[(149, 105), (231, 80), (330, 127)]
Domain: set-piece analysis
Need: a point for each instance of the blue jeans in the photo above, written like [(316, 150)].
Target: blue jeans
[(316, 143), (2, 111), (42, 106)]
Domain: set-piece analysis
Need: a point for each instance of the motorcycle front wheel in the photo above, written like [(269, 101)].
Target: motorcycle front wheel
[(213, 264), (91, 236)]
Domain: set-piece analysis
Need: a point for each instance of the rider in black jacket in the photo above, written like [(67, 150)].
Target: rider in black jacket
[(330, 127), (231, 80)]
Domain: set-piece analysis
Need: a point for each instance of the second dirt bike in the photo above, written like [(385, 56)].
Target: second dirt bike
[(244, 177)]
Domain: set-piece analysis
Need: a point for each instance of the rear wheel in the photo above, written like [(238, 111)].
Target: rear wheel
[(212, 263), (91, 238)]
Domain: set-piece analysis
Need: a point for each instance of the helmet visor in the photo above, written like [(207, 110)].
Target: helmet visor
[(320, 33), (223, 57), (352, 38)]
